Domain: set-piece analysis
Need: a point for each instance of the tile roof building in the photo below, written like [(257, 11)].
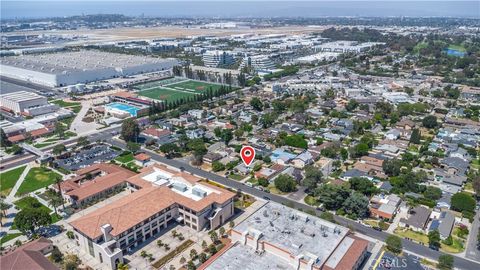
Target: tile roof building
[(160, 195), (29, 256)]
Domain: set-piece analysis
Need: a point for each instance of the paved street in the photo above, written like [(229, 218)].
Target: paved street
[(460, 263), (471, 250)]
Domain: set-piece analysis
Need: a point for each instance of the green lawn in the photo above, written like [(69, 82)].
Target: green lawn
[(237, 177), (22, 204), (8, 180), (9, 237), (37, 178), (310, 200), (416, 236), (125, 158), (459, 48), (43, 144)]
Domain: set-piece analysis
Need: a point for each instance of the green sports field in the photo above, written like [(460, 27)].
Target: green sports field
[(175, 90)]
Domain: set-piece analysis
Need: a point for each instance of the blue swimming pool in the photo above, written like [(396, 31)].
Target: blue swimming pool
[(124, 107)]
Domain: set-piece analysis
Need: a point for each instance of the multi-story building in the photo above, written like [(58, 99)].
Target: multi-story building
[(259, 63), (218, 58), (26, 103), (160, 196), (278, 237)]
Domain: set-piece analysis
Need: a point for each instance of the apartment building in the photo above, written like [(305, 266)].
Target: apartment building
[(160, 196)]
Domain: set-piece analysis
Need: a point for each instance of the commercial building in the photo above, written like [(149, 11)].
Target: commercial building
[(218, 58), (160, 195), (278, 237), (259, 63), (76, 67), (26, 103), (347, 46)]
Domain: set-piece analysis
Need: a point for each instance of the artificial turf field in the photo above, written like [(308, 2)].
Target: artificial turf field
[(175, 91)]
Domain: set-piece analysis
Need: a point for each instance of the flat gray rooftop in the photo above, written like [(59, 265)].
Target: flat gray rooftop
[(295, 231), (245, 258), (56, 63)]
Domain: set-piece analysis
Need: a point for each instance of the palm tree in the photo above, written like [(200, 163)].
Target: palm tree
[(58, 181), (55, 201), (4, 206)]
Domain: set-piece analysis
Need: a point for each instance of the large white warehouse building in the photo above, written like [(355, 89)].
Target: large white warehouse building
[(68, 68)]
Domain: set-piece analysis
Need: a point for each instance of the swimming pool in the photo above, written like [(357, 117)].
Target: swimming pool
[(124, 107)]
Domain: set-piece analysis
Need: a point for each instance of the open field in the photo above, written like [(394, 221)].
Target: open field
[(8, 180), (37, 178), (175, 90)]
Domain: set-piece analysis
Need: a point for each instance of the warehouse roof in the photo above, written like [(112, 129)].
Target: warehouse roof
[(78, 61)]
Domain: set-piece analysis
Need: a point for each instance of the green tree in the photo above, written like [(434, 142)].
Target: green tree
[(445, 262), (285, 183), (83, 141), (263, 182), (416, 136), (71, 262), (133, 147), (4, 142), (434, 239), (256, 104), (227, 135), (356, 205), (30, 219), (362, 185), (54, 199), (432, 193), (463, 202), (313, 177), (359, 150), (130, 130), (169, 149), (392, 167), (56, 256), (332, 196), (217, 166), (59, 149), (60, 129), (430, 121), (351, 105), (394, 244)]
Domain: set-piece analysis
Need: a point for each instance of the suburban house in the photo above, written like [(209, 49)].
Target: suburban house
[(31, 255), (384, 206), (443, 222), (417, 219), (142, 160)]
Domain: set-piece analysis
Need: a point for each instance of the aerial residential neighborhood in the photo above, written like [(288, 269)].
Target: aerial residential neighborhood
[(186, 140)]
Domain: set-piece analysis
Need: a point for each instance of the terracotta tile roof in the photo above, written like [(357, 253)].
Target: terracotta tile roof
[(372, 161), (16, 138), (142, 157), (40, 132), (99, 184), (124, 94), (149, 200), (28, 256), (154, 132)]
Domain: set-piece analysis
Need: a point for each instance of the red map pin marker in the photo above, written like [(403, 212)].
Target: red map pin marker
[(248, 155)]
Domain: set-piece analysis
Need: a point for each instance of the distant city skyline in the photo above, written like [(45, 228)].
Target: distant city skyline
[(238, 9)]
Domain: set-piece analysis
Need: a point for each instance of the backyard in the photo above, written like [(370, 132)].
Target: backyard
[(37, 178), (8, 180)]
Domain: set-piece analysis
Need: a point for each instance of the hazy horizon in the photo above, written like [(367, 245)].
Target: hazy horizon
[(237, 9)]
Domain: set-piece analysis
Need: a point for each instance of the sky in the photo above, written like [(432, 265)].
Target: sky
[(235, 8)]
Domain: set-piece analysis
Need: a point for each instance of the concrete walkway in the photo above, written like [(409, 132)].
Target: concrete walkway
[(80, 127), (19, 182)]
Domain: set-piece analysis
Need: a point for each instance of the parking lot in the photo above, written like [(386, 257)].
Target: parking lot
[(84, 158)]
